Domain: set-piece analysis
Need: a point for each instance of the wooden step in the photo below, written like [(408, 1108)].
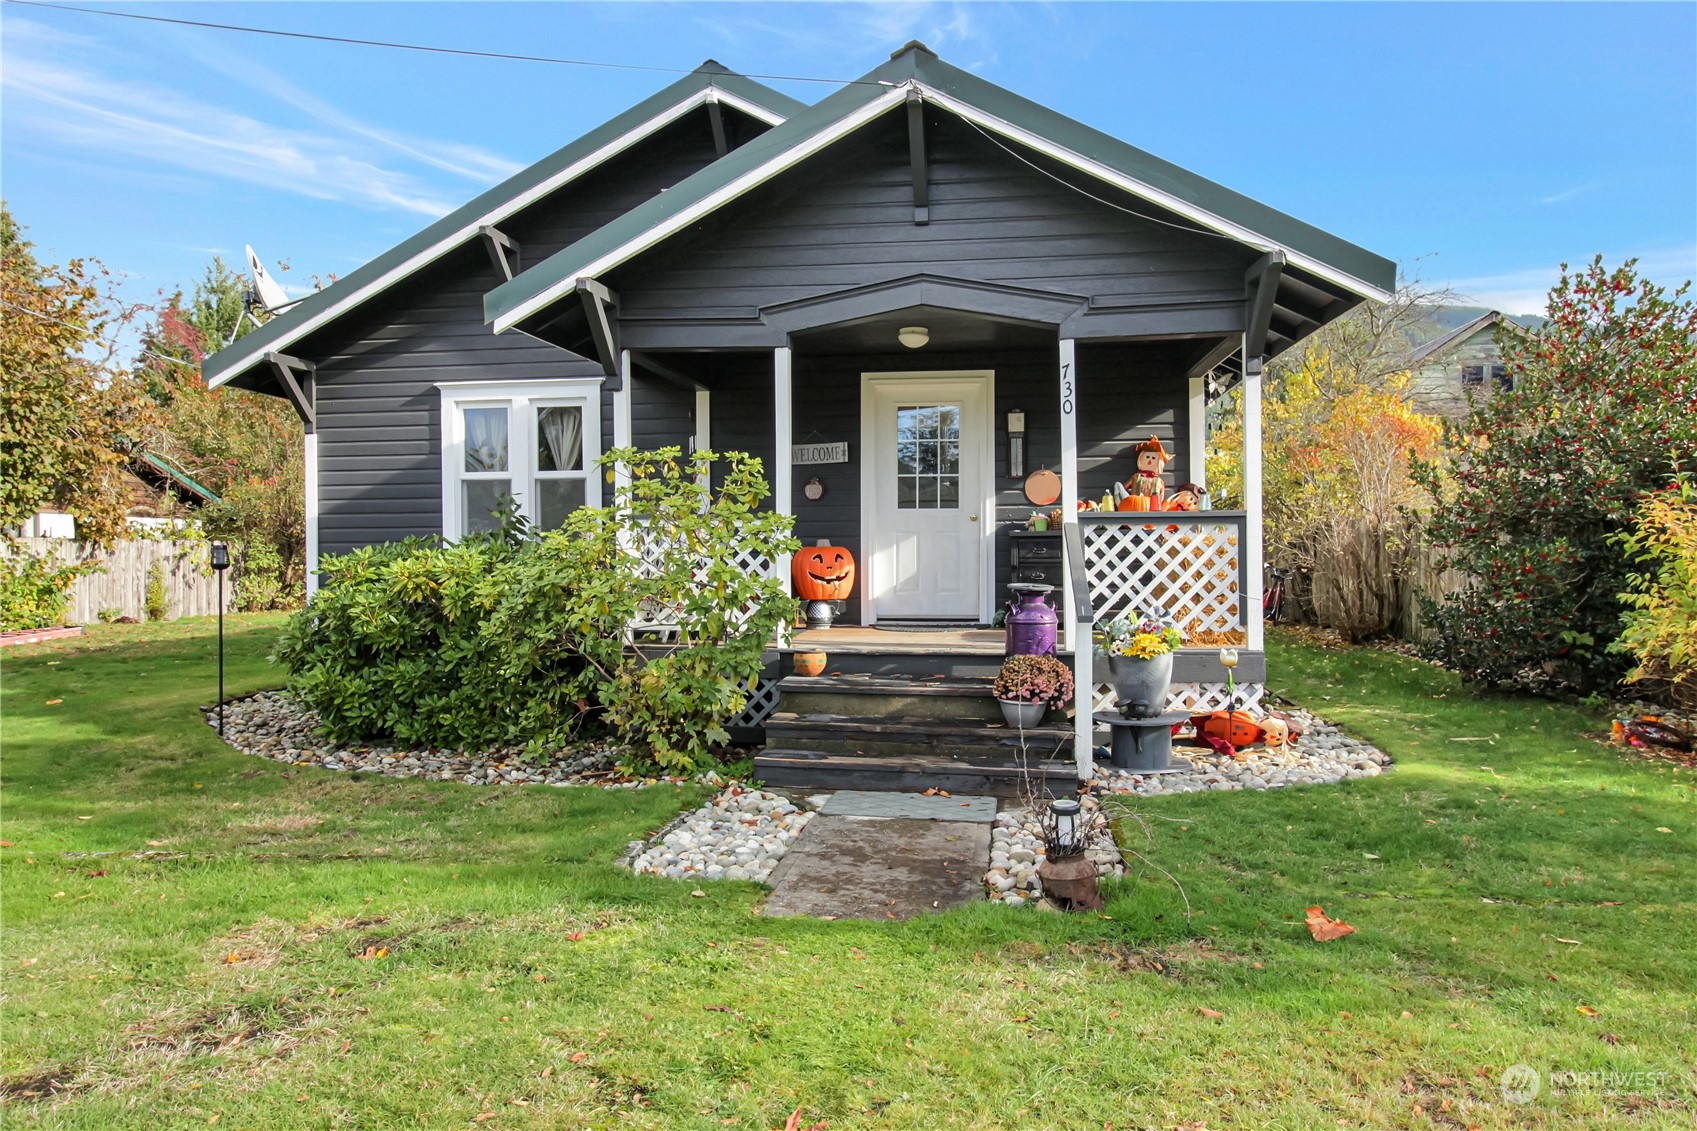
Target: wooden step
[(900, 736), (911, 664), (862, 695), (997, 777)]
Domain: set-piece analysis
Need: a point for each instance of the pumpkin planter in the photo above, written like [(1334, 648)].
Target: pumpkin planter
[(808, 663), (822, 574)]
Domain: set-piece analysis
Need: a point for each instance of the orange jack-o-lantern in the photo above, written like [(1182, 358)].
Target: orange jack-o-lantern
[(1275, 733), (1236, 727), (1135, 503), (823, 573)]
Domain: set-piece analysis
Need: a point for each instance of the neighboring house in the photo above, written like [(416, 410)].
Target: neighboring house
[(1463, 363), (898, 278), (160, 490)]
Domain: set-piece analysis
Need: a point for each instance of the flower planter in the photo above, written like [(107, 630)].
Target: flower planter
[(1141, 685), (1022, 714)]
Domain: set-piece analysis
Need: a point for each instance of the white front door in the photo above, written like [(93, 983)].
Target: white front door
[(926, 492)]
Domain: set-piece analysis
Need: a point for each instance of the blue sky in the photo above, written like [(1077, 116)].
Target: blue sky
[(1478, 145)]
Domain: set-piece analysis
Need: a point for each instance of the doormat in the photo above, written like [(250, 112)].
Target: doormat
[(928, 626)]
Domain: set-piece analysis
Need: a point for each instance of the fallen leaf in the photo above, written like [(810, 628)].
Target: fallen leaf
[(1663, 829), (85, 818), (482, 1116), (54, 702), (1609, 1038), (1371, 855), (371, 952), (1213, 1014), (232, 958), (547, 1072), (1569, 942), (1587, 1011), (718, 1009), (578, 1057), (699, 894), (5, 844), (574, 936), (1324, 928)]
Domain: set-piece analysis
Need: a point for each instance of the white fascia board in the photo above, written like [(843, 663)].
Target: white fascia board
[(707, 204), (1154, 195), (500, 212)]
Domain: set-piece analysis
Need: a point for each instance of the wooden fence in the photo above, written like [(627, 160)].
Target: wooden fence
[(1424, 576), (191, 590)]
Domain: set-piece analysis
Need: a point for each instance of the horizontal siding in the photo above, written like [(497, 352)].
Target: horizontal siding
[(379, 410), (844, 219)]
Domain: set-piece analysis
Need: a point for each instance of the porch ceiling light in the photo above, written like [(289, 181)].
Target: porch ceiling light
[(913, 337)]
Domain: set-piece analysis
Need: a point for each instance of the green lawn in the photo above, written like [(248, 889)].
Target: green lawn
[(528, 982)]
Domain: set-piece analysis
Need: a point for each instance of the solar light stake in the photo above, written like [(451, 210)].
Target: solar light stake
[(220, 563)]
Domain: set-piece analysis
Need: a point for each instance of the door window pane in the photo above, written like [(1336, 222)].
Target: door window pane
[(928, 457), (555, 499), (482, 498), (485, 439), (559, 438)]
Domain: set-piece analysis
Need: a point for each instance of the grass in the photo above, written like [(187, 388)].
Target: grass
[(193, 937)]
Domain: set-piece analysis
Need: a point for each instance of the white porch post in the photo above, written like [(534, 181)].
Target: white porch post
[(622, 416), (1251, 548), (1084, 683), (703, 420), (782, 441), (1199, 431), (311, 468)]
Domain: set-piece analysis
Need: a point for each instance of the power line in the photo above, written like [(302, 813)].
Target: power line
[(428, 48)]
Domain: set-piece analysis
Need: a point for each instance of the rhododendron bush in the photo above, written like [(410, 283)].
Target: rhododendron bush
[(1548, 474)]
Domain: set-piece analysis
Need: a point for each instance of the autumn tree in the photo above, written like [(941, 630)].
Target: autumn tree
[(68, 415), (1550, 472)]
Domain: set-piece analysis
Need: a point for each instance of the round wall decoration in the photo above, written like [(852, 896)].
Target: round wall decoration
[(1042, 487), (813, 489)]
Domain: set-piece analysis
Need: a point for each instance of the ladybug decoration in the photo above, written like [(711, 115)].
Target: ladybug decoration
[(1236, 727), (823, 573)]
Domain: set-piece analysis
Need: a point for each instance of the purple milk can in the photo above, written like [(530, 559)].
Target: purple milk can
[(1031, 621)]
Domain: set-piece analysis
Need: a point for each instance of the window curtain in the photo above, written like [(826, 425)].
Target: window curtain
[(562, 431), (486, 439)]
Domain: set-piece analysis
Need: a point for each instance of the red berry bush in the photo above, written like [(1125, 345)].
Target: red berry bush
[(1545, 475)]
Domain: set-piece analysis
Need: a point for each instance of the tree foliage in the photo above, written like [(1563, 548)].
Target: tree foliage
[(1603, 409), (1660, 631), (68, 416)]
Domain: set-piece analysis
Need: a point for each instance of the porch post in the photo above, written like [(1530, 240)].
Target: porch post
[(1084, 683), (703, 420), (1252, 529), (622, 415), (1199, 431), (311, 468), (781, 442)]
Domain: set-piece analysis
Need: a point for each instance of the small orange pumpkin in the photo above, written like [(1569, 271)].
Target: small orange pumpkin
[(1135, 503), (809, 663), (1237, 727), (823, 573)]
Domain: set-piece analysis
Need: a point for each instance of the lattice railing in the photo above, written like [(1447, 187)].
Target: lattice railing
[(1187, 566), (656, 622), (1195, 697)]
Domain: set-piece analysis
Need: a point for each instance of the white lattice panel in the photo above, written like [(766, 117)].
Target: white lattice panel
[(655, 621), (1187, 571), (1193, 697)]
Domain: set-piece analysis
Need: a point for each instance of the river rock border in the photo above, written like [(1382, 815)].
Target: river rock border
[(275, 725), (739, 835)]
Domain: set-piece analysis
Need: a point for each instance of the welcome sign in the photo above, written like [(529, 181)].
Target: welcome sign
[(804, 454)]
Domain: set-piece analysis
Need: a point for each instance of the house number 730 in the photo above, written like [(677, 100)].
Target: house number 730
[(1066, 389)]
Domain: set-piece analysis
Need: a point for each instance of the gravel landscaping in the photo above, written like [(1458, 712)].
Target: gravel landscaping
[(740, 835), (1324, 755), (1016, 849), (272, 724)]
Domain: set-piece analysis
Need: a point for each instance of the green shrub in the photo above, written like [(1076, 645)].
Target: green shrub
[(517, 637), (108, 615), (157, 606), (34, 591), (1661, 617), (261, 579)]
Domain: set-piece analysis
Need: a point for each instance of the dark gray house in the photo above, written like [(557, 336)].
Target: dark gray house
[(904, 298)]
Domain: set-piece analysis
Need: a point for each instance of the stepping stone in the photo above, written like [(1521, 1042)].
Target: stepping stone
[(912, 806), (873, 867)]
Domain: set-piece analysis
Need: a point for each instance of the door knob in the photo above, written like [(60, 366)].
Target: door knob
[(973, 518)]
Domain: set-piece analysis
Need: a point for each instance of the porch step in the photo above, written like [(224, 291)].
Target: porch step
[(864, 695), (906, 736), (961, 774)]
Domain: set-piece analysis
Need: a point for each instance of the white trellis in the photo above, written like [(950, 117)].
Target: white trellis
[(1197, 698), (656, 622), (1191, 571)]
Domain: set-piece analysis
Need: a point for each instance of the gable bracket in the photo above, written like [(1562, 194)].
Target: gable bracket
[(918, 158), (503, 252), (602, 333), (716, 116), (1262, 283), (299, 380)]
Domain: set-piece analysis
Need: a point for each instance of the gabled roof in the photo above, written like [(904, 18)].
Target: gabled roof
[(1459, 334), (174, 475), (915, 69), (707, 83)]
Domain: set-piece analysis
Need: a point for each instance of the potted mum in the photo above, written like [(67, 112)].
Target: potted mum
[(1029, 685), (1140, 661)]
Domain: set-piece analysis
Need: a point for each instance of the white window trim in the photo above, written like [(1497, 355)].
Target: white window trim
[(520, 398)]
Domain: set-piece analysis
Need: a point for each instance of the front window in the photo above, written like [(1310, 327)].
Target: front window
[(529, 446)]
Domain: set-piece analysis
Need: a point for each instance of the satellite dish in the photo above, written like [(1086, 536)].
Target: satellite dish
[(270, 293)]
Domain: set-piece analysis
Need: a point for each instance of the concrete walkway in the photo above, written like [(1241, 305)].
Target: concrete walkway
[(885, 856)]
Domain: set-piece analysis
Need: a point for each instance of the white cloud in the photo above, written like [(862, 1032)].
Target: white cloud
[(1525, 291), (68, 105)]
